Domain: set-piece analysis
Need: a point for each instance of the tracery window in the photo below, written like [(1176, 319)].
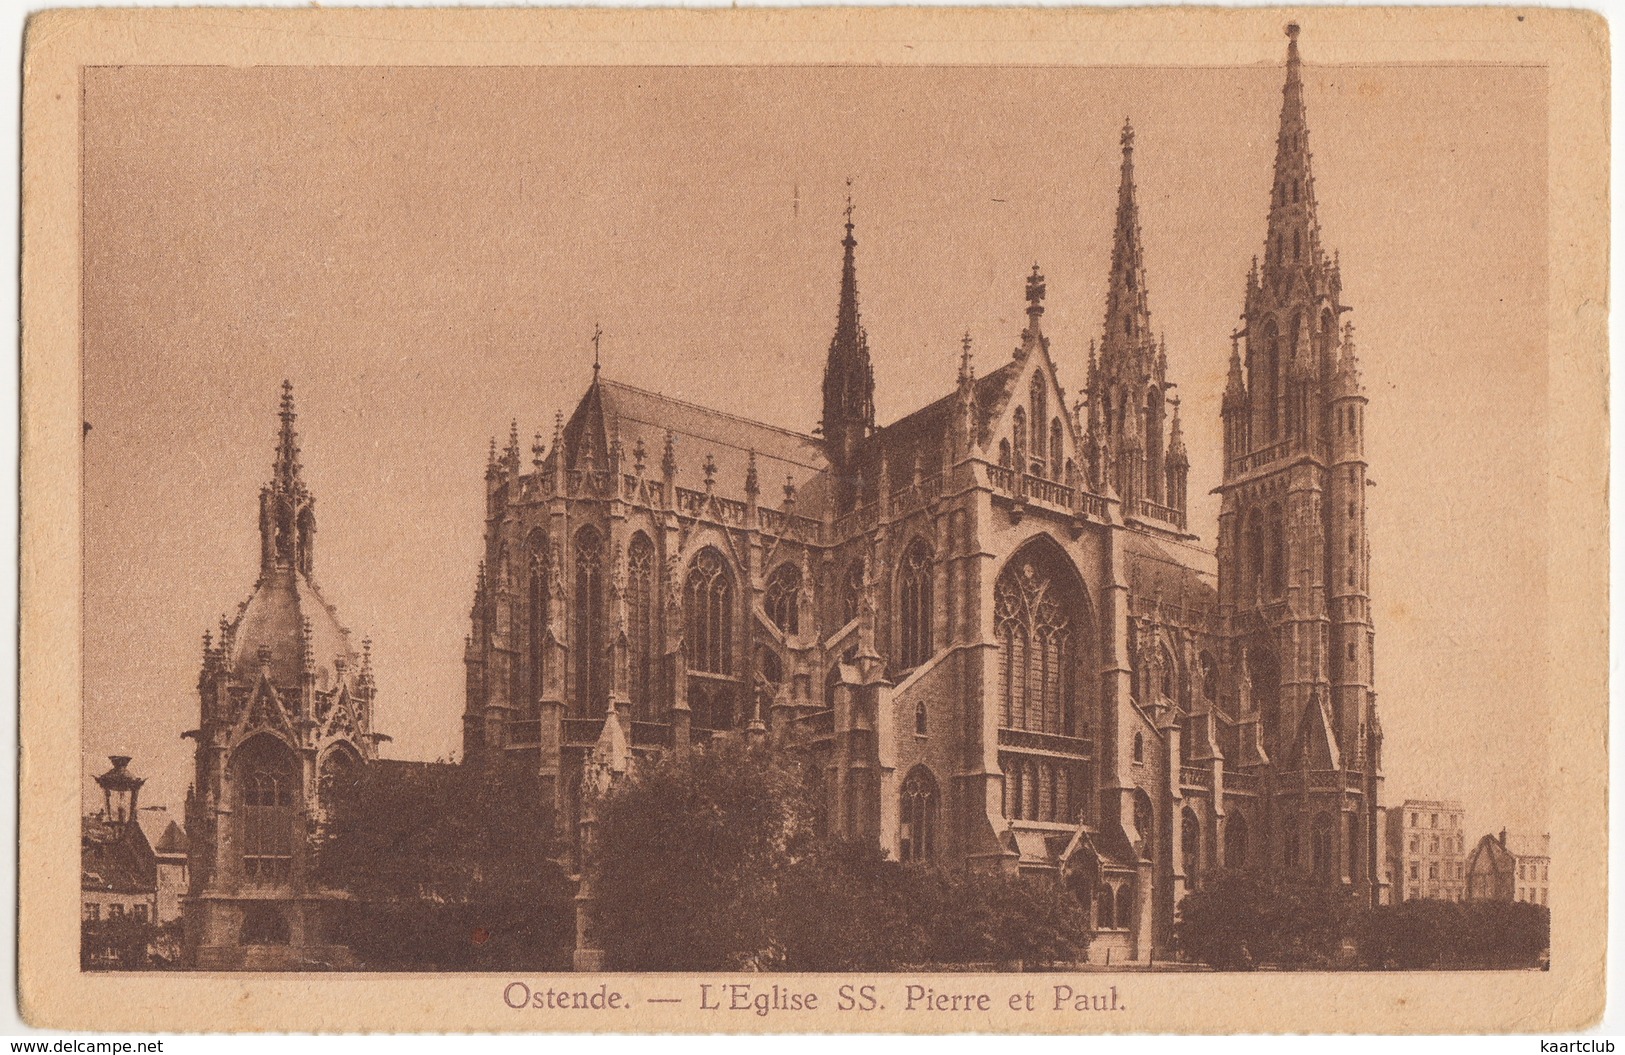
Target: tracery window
[(1018, 439), (914, 592), (267, 781), (783, 600), (340, 768), (590, 683), (1055, 450), (708, 614), (708, 607), (1038, 649), (642, 649), (919, 816)]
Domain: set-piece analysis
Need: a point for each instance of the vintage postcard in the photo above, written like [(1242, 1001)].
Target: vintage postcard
[(823, 520)]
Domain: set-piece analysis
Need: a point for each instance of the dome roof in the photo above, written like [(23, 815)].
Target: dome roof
[(274, 619)]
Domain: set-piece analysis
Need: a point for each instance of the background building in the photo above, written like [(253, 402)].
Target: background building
[(132, 861), (1510, 868), (1427, 844)]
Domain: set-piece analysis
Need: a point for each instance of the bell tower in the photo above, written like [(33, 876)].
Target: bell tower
[(1293, 558)]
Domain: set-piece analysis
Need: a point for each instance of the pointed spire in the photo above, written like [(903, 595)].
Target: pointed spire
[(753, 486), (849, 383), (537, 451), (668, 458), (285, 472), (1235, 388), (1294, 235), (1176, 440), (1128, 313)]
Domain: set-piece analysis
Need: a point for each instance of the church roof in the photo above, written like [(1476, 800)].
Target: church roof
[(632, 415), (274, 618), (921, 434), (1175, 574)]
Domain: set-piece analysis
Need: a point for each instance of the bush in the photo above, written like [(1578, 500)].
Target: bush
[(716, 864), (1240, 919), (449, 867), (1425, 934)]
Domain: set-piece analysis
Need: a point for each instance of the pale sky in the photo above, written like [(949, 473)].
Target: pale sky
[(424, 253)]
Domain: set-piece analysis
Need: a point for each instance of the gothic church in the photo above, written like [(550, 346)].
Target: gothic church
[(988, 623)]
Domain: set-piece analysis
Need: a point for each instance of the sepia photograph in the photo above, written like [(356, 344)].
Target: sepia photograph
[(877, 525)]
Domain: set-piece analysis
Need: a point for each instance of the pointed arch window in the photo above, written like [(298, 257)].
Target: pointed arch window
[(1272, 380), (914, 596), (590, 683), (1190, 847), (708, 608), (1277, 559), (1004, 454), (1040, 405), (1321, 847), (267, 783), (1038, 617), (642, 649), (1153, 443), (783, 600), (918, 820), (1056, 452)]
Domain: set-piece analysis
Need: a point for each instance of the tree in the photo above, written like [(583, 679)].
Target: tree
[(1239, 919), (1423, 934), (715, 863), (448, 867), (689, 858)]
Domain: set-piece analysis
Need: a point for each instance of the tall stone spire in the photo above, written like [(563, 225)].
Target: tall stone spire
[(287, 510), (1294, 233), (849, 381), (285, 470), (1128, 385), (1128, 312)]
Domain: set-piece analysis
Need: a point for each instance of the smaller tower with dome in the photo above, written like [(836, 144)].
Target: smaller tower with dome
[(286, 715)]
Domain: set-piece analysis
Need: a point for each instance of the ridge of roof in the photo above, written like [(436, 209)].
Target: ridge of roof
[(791, 433)]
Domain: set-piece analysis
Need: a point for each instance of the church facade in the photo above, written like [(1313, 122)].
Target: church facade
[(988, 623)]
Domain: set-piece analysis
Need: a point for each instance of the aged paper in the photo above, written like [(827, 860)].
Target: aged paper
[(866, 520)]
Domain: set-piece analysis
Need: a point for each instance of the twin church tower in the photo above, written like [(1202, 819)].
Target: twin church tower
[(987, 625)]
